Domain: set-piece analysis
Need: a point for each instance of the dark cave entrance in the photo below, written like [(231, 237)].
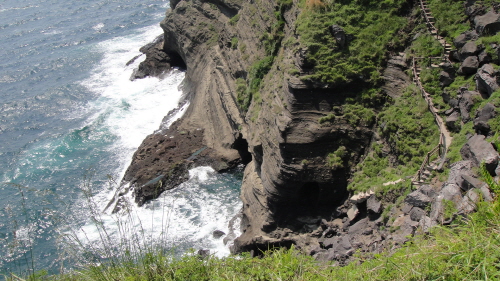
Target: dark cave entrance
[(308, 197), (241, 145), (176, 60)]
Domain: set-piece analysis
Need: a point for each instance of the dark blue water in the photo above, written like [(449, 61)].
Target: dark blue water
[(70, 120)]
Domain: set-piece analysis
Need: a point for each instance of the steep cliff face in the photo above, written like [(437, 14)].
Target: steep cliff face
[(289, 180)]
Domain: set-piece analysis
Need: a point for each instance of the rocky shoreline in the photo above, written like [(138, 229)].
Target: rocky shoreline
[(290, 195)]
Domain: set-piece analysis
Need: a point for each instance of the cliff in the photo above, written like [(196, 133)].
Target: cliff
[(257, 95)]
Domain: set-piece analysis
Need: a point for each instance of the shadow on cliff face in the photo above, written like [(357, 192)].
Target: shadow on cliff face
[(312, 200), (241, 145)]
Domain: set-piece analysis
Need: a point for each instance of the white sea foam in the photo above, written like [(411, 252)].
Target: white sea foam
[(133, 109), (183, 217), (98, 26)]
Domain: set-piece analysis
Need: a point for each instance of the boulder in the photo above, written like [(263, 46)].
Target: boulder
[(406, 228), (218, 234), (482, 117), (157, 62), (469, 49), (426, 223), (453, 103), (449, 111), (174, 3), (359, 227), (487, 24), (461, 39), (395, 77), (440, 210), (486, 80), (485, 191), (470, 182), (453, 122), (428, 190), (437, 210), (469, 202), (339, 34), (473, 9), (203, 253), (478, 150), (466, 103), (452, 192), (339, 249), (373, 205), (399, 221), (446, 78), (454, 55), (416, 214), (353, 212), (406, 208), (458, 170), (469, 65), (484, 57), (418, 199)]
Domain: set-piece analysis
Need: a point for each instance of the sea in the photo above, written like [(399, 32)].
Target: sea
[(70, 121)]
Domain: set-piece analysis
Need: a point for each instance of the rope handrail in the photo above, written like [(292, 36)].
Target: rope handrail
[(430, 106), (427, 97)]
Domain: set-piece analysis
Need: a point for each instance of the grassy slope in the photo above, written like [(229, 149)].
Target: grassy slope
[(469, 250)]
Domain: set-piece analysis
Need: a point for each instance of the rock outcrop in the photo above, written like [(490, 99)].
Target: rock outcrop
[(291, 194)]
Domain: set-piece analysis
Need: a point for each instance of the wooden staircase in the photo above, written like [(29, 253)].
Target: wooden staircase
[(427, 167), (430, 20)]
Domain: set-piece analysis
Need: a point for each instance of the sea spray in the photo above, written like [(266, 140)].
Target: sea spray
[(180, 219)]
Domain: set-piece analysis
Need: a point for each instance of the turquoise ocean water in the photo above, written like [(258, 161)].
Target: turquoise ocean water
[(70, 120)]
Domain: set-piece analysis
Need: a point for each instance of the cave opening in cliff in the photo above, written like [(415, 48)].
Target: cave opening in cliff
[(309, 195), (176, 60), (241, 145)]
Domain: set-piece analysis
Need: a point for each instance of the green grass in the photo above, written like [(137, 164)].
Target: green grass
[(335, 160), (426, 45), (487, 42), (468, 250), (247, 90), (450, 17), (374, 26), (409, 129)]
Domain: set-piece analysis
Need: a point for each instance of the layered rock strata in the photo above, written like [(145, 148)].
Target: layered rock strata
[(290, 193)]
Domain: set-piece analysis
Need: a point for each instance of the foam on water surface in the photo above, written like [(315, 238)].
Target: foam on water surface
[(180, 219), (92, 120)]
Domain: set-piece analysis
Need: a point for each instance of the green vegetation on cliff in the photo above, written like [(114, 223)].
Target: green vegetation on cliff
[(371, 28), (409, 131)]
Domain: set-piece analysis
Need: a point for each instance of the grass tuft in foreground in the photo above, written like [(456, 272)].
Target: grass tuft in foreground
[(467, 250)]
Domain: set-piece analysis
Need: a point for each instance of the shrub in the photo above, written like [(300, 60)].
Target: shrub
[(335, 160), (234, 20), (234, 43)]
